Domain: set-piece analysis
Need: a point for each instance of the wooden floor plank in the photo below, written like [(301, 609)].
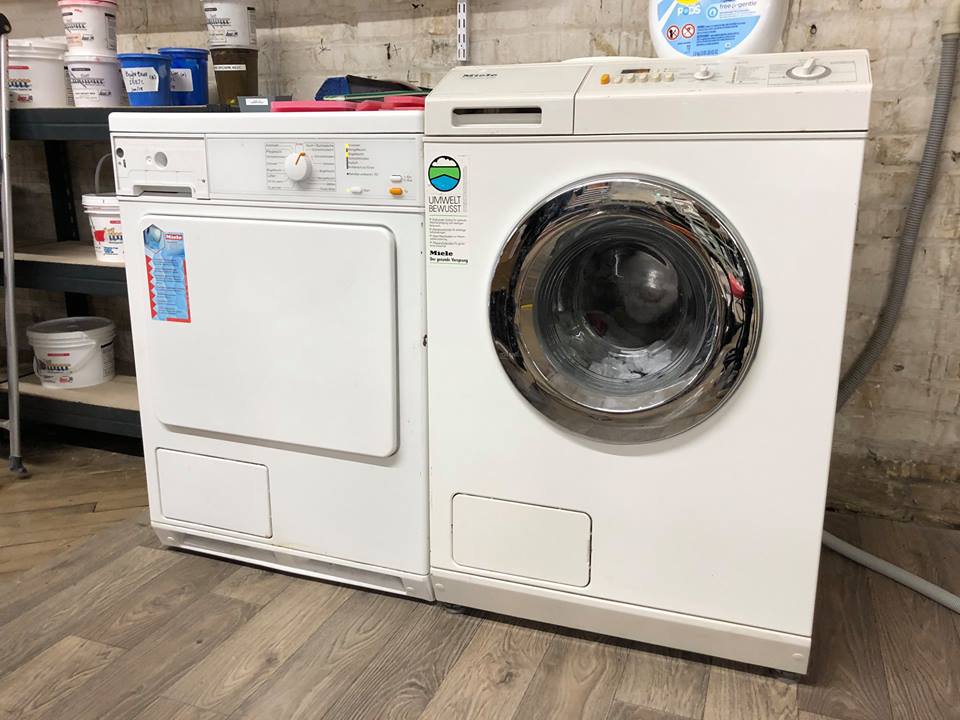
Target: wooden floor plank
[(846, 678), (155, 602), (918, 637), (17, 558), (671, 682), (166, 709), (56, 616), (133, 682), (814, 716), (735, 694), (65, 526), (238, 667), (73, 489), (45, 579), (400, 683), (492, 674), (252, 585), (576, 680), (60, 669), (309, 683), (625, 711)]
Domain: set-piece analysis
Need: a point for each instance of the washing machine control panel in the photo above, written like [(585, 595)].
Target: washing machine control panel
[(317, 169)]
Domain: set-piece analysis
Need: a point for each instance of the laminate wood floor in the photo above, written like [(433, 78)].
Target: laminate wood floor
[(119, 628)]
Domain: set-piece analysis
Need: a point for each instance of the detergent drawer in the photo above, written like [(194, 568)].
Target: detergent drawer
[(272, 330)]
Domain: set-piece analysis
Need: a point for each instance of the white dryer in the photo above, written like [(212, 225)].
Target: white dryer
[(637, 281), (276, 280)]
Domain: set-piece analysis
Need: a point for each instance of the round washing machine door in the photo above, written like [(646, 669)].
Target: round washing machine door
[(625, 308)]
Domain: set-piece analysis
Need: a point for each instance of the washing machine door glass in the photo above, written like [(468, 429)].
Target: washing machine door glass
[(625, 308)]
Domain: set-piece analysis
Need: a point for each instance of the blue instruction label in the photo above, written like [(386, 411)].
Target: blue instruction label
[(166, 275), (700, 28)]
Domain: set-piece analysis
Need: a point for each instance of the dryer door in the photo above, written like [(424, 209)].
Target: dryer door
[(625, 308)]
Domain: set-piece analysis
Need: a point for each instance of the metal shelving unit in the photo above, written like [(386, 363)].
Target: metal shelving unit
[(70, 266)]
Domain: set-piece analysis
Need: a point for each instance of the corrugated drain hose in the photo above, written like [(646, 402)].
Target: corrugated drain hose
[(899, 281)]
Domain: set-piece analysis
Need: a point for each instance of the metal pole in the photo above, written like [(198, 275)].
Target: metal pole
[(463, 32), (9, 304)]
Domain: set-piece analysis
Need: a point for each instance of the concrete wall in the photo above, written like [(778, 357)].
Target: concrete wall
[(898, 442)]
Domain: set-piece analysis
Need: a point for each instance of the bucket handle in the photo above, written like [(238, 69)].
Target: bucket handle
[(73, 368), (96, 173)]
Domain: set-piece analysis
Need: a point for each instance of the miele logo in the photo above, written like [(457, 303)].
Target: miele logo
[(441, 253), (480, 75)]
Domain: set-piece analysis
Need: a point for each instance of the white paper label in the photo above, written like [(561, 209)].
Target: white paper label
[(229, 68), (181, 80), (141, 79), (447, 211), (230, 24), (258, 101)]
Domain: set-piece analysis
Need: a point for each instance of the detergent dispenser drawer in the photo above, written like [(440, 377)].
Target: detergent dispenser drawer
[(276, 331)]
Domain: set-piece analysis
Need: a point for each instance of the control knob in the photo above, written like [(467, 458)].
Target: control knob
[(808, 70), (297, 166), (703, 73)]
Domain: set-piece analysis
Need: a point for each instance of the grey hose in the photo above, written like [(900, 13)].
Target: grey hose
[(890, 312)]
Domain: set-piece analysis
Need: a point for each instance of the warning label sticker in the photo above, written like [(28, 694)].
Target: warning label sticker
[(166, 275), (447, 211)]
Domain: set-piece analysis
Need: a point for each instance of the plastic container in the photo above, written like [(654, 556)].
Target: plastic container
[(231, 23), (73, 352), (90, 25), (96, 80), (36, 74), (236, 73), (707, 28), (313, 106), (188, 75), (103, 212), (146, 77)]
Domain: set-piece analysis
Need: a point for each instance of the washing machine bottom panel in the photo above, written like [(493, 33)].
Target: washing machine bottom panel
[(757, 646)]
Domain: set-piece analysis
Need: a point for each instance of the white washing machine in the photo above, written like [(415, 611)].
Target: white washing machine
[(636, 287), (275, 266)]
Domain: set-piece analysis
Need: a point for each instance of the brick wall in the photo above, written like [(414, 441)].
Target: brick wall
[(897, 448)]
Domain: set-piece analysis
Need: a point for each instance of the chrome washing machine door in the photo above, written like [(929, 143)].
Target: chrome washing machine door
[(625, 308)]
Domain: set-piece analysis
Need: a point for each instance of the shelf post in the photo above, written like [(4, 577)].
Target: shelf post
[(64, 212), (9, 304)]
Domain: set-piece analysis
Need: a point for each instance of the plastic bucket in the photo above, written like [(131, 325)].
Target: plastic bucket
[(147, 78), (96, 80), (236, 72), (36, 74), (73, 352), (231, 23), (103, 212), (90, 25), (188, 75)]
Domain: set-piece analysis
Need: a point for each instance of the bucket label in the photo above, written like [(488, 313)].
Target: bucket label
[(229, 68), (702, 28), (231, 24), (181, 80), (166, 275), (141, 79), (447, 211)]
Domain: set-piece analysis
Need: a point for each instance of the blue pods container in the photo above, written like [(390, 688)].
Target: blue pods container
[(188, 75), (147, 78)]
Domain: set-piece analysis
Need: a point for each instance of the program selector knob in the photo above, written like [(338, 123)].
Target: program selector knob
[(809, 69), (703, 73), (297, 166)]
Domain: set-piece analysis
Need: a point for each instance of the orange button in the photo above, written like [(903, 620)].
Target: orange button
[(396, 191), (605, 79)]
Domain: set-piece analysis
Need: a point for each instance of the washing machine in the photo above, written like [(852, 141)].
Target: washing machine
[(637, 280), (275, 269)]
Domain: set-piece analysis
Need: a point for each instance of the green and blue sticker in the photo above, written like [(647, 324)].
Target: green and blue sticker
[(444, 173)]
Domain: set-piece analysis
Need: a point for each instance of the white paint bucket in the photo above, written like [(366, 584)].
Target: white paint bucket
[(36, 74), (90, 25), (96, 80), (103, 211), (73, 352), (231, 23)]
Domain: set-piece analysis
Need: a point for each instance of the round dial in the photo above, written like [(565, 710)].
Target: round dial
[(297, 166), (703, 73), (808, 70)]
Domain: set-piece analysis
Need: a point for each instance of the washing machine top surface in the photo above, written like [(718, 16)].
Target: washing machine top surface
[(784, 92)]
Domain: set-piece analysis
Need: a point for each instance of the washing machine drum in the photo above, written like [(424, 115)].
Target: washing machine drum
[(625, 309)]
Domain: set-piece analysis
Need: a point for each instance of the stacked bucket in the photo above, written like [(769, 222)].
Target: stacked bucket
[(232, 33), (91, 61)]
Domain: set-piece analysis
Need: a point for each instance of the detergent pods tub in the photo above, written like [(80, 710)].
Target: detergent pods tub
[(103, 212), (36, 74), (73, 352), (90, 25), (96, 80), (147, 78), (188, 75)]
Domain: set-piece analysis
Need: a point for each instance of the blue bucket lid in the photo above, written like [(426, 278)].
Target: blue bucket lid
[(150, 57), (184, 52)]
